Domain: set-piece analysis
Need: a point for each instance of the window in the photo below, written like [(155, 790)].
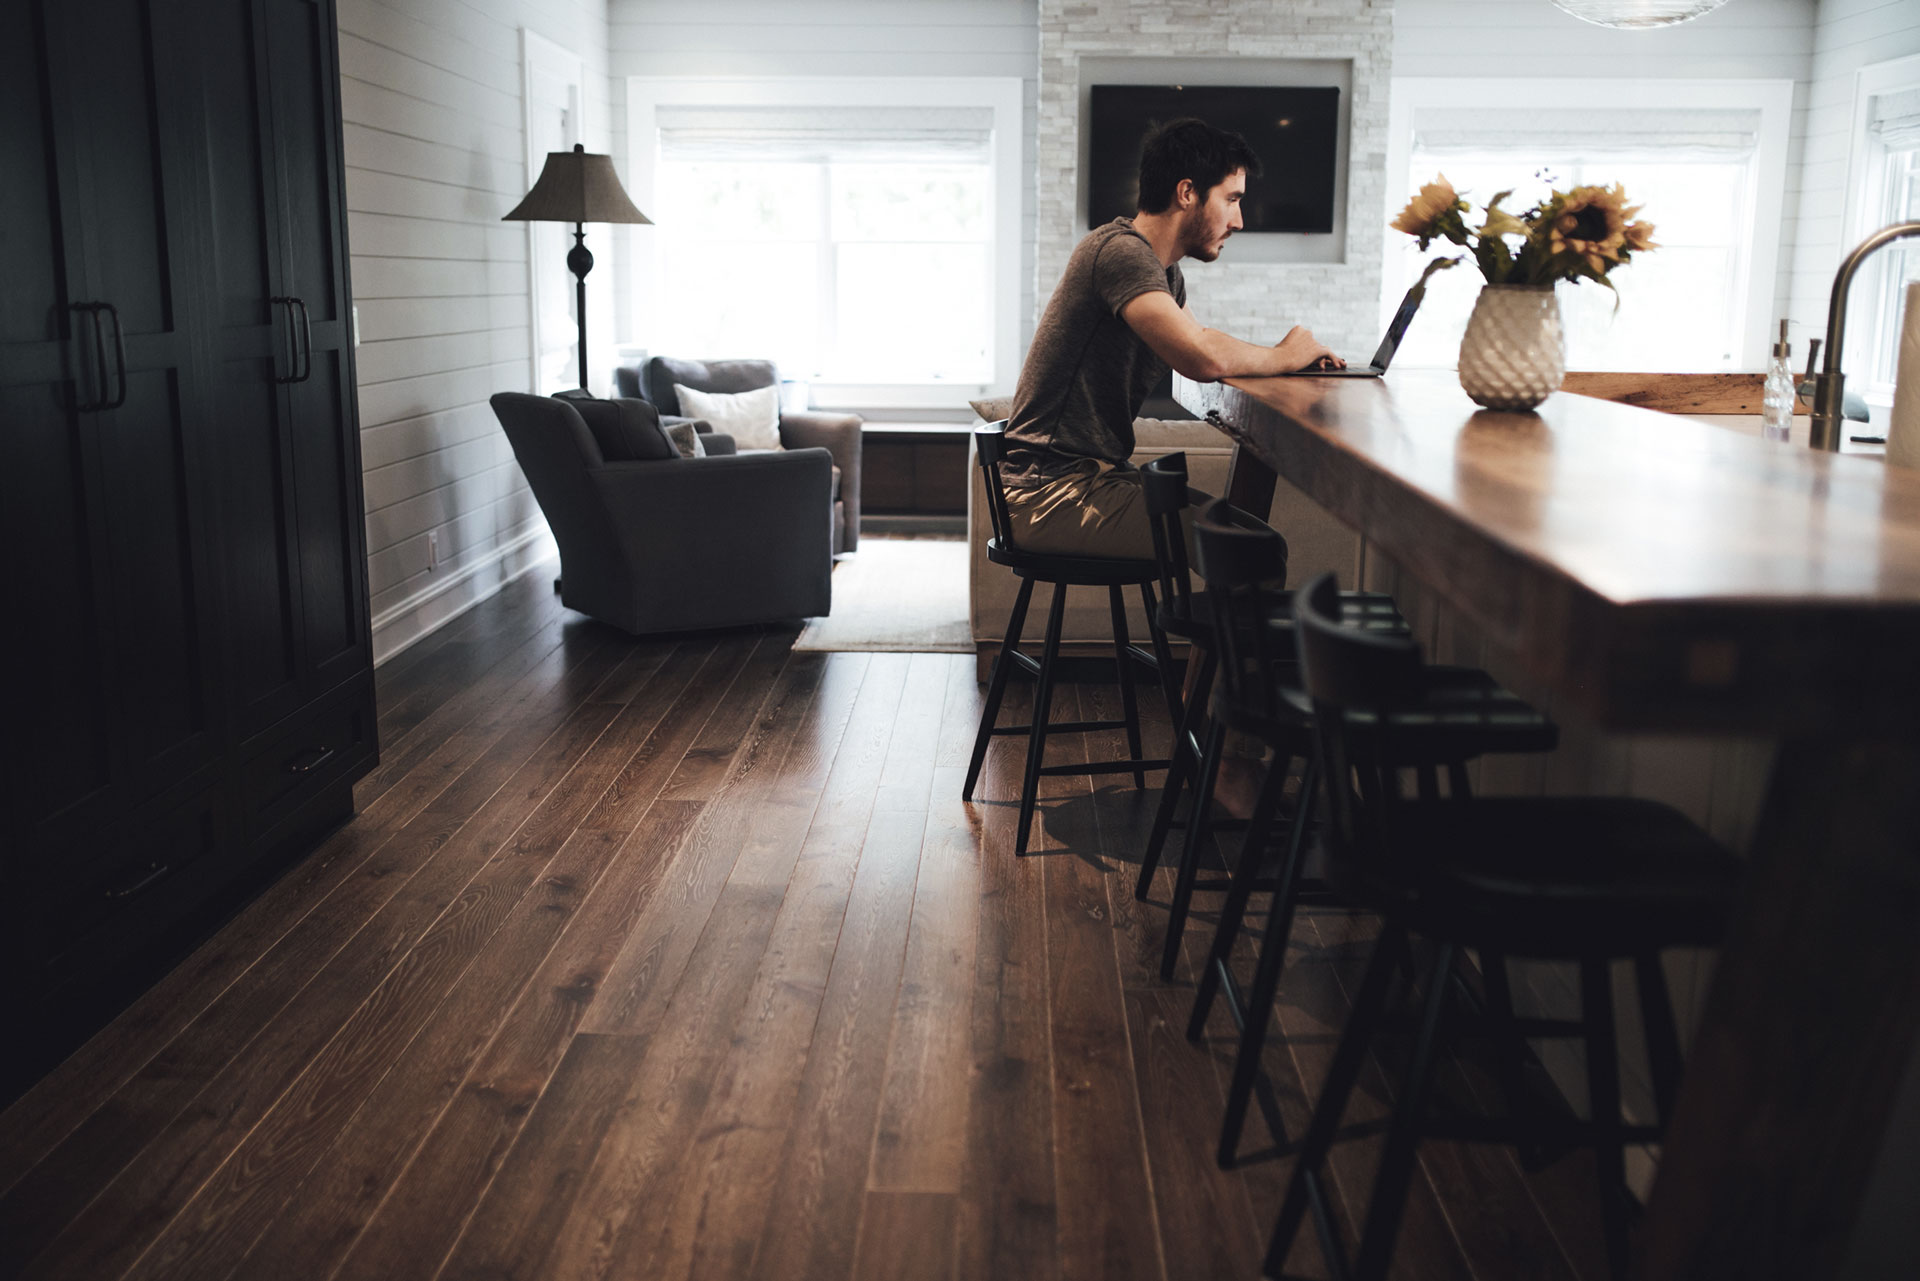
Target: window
[(862, 234), (1886, 189), (1694, 156), (875, 272)]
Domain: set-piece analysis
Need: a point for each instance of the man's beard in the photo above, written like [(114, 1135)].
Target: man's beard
[(1194, 239)]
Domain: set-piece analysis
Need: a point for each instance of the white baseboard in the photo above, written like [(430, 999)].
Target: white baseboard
[(432, 608)]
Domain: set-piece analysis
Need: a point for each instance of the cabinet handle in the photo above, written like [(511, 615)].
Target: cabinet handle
[(153, 873), (287, 346), (310, 760), (92, 404), (119, 355), (306, 341)]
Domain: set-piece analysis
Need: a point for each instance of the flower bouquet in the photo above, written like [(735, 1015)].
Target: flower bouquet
[(1514, 353)]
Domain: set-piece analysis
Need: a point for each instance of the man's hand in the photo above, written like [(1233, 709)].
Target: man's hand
[(1300, 350)]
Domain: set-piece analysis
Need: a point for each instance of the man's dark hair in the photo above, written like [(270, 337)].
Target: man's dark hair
[(1189, 148)]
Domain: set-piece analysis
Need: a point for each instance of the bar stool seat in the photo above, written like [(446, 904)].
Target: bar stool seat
[(1553, 876), (1113, 573)]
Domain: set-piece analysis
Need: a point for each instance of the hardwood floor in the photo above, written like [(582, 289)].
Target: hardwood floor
[(682, 958)]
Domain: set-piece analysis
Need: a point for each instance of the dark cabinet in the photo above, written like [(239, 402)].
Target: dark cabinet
[(179, 477)]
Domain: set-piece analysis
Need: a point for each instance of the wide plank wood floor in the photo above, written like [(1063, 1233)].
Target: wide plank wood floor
[(682, 957)]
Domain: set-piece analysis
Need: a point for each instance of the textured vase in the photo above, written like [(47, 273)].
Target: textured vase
[(1513, 355)]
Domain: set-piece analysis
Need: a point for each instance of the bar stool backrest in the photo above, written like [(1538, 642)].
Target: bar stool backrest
[(1163, 483), (990, 444), (1242, 558), (1355, 679)]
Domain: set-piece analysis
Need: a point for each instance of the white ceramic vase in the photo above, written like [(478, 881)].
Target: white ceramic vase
[(1514, 354)]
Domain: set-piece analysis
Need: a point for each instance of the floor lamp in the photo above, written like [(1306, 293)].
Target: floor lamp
[(578, 187)]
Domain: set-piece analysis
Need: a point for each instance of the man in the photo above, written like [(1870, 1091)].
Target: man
[(1117, 320)]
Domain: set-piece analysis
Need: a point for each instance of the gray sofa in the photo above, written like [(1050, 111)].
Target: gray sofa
[(653, 543), (838, 434)]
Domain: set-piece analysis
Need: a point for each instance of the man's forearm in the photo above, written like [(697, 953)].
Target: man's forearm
[(1229, 357)]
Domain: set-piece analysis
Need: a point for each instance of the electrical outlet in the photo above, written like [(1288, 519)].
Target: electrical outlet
[(433, 550)]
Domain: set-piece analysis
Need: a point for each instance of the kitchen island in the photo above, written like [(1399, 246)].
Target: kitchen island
[(1655, 574)]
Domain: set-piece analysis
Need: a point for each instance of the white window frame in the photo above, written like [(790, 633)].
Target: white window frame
[(1773, 99), (653, 313), (1866, 181)]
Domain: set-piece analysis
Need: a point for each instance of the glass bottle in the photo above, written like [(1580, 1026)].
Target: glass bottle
[(1776, 413)]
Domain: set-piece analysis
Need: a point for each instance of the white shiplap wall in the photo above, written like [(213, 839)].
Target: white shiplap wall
[(1849, 35), (1747, 39), (430, 97), (834, 38)]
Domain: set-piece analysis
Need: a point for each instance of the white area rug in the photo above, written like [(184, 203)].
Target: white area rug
[(896, 595)]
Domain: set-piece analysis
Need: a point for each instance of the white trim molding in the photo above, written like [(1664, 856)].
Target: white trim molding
[(646, 94), (1773, 99), (428, 610)]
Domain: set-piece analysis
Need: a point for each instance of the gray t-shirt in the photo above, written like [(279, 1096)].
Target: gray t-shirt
[(1087, 371)]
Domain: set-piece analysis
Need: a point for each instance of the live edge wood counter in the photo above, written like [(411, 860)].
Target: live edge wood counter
[(1665, 575)]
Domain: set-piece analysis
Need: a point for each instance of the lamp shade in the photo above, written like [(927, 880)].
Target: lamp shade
[(577, 186)]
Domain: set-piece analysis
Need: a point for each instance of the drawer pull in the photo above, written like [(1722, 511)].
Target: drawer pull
[(153, 873), (310, 760)]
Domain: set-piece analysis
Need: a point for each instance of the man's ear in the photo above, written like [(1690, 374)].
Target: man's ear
[(1184, 194)]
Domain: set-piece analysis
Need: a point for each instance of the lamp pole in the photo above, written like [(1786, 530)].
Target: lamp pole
[(580, 262)]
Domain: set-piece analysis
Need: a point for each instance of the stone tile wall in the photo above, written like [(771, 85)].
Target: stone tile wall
[(1255, 301)]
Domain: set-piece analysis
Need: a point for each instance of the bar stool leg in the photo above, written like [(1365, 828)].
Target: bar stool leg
[(1042, 702), (1190, 850), (1266, 984), (1246, 874), (1603, 1097), (1304, 1189), (1162, 655), (1186, 759), (1509, 1050), (1389, 1201), (1663, 1036), (1123, 668), (997, 685)]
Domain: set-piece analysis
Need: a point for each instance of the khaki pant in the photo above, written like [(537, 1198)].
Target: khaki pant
[(1100, 515)]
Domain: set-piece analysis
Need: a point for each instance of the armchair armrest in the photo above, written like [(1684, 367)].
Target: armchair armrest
[(839, 435)]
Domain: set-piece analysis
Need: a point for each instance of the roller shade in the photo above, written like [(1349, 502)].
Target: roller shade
[(1579, 135), (1895, 118), (891, 135)]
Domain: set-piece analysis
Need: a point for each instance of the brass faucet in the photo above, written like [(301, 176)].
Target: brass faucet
[(1828, 384)]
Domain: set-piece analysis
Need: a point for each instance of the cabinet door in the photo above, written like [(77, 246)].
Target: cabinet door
[(130, 91), (50, 511), (118, 645), (251, 358), (330, 516)]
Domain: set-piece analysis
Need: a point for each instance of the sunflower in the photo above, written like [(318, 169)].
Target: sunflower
[(1427, 214), (1591, 223), (1639, 236)]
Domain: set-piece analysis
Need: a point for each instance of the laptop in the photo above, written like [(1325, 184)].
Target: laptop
[(1388, 345)]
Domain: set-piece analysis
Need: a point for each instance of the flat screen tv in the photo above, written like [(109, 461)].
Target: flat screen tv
[(1292, 130)]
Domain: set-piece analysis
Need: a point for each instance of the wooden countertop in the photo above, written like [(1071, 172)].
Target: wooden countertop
[(1664, 573)]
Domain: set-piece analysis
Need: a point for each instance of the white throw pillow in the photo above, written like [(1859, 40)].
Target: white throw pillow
[(752, 418)]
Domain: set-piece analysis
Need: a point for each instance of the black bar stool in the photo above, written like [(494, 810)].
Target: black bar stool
[(1113, 573), (1582, 879), (1198, 740), (1458, 714)]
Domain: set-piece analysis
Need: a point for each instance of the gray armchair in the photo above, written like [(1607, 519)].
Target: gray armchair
[(672, 544), (838, 434)]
